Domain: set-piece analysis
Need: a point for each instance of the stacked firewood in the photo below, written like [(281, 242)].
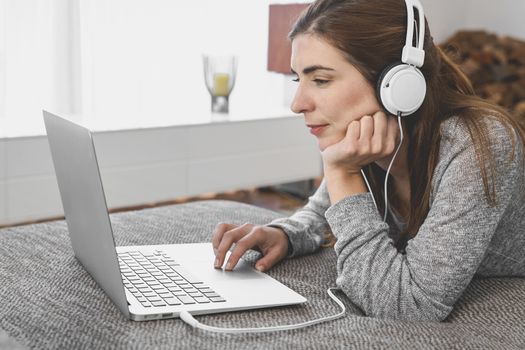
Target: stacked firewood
[(495, 65)]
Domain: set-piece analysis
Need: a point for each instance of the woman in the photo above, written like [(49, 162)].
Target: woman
[(456, 188)]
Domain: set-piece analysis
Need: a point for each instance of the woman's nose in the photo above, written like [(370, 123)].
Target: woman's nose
[(301, 103)]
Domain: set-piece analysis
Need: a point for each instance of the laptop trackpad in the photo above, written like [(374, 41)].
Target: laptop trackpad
[(199, 257)]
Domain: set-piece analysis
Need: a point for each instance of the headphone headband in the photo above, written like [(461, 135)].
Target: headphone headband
[(414, 55), (401, 87)]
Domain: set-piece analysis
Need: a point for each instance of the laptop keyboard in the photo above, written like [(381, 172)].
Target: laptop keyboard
[(157, 280)]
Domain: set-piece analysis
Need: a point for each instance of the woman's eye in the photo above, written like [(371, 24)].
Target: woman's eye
[(296, 80), (321, 81)]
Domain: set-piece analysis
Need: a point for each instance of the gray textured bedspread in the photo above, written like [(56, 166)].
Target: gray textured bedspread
[(48, 301)]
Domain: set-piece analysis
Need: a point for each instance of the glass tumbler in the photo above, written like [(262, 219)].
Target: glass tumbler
[(219, 75)]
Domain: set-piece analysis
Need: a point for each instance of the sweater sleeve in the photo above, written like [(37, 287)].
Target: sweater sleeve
[(306, 227), (424, 283)]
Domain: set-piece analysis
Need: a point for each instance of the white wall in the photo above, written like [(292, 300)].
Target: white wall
[(503, 17), (444, 17)]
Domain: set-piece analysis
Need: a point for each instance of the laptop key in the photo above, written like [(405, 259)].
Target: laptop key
[(189, 288), (202, 287), (186, 299), (217, 300), (207, 292), (158, 303), (170, 263), (186, 275), (212, 295), (172, 301), (154, 298), (201, 300)]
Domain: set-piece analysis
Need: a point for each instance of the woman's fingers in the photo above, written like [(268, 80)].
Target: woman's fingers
[(219, 231), (379, 139), (271, 258), (249, 241), (271, 241), (380, 125), (228, 238), (367, 128), (367, 140), (354, 130)]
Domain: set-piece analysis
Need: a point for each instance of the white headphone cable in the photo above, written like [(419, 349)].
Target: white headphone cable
[(369, 189), (387, 172), (189, 319), (392, 162)]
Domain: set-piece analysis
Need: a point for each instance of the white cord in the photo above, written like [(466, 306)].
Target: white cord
[(369, 188), (387, 172), (189, 319), (392, 162)]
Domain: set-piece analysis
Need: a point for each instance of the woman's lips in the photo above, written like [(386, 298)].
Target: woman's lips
[(316, 129)]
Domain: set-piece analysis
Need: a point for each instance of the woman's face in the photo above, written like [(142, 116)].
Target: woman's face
[(331, 91)]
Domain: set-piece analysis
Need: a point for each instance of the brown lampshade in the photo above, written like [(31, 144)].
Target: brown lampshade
[(282, 17)]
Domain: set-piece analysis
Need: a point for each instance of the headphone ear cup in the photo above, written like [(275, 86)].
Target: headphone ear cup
[(401, 88), (380, 82)]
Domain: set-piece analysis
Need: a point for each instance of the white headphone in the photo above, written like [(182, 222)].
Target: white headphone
[(401, 88)]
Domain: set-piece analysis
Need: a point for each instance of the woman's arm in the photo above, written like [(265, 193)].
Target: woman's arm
[(306, 227), (299, 234), (441, 260)]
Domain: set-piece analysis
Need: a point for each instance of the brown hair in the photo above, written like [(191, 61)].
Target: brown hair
[(371, 35)]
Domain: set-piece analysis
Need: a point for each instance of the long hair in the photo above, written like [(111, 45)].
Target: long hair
[(371, 35)]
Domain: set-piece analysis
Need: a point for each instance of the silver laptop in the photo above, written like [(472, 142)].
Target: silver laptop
[(146, 282)]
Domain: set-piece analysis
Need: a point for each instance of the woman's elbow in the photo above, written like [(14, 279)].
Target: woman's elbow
[(415, 307)]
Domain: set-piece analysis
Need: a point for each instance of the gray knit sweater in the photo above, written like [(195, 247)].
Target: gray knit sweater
[(461, 236)]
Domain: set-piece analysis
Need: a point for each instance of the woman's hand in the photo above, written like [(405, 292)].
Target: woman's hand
[(270, 241), (369, 139)]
